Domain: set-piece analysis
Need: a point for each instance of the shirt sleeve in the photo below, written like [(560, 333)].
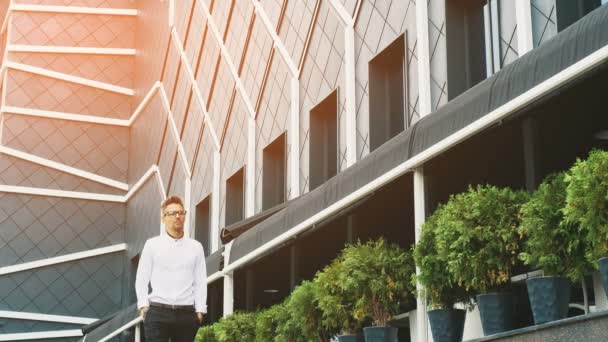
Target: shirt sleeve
[(142, 279), (200, 283)]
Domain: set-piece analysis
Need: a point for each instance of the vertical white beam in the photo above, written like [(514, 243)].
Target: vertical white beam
[(495, 20), (488, 40), (294, 140), (424, 58), (228, 283), (250, 169), (419, 218), (351, 94), (523, 17), (215, 203), (138, 333)]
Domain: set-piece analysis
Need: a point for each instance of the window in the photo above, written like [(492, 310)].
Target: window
[(469, 28), (570, 11), (324, 140), (202, 224), (274, 160), (387, 89), (235, 197)]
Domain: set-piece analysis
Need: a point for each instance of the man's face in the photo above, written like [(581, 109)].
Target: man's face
[(173, 217)]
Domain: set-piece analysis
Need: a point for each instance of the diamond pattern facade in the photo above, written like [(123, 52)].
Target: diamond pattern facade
[(38, 227)]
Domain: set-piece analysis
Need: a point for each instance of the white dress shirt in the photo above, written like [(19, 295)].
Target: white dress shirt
[(176, 270)]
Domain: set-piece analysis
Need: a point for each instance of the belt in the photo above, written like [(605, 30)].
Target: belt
[(173, 307)]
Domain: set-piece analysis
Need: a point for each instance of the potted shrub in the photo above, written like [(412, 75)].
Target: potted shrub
[(480, 242), (303, 309), (586, 206), (240, 326), (439, 287), (267, 322), (336, 304), (379, 274), (553, 245)]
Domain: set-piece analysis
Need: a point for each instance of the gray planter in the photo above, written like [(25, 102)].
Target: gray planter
[(496, 312), (447, 325), (603, 266), (380, 334), (350, 338), (549, 298)]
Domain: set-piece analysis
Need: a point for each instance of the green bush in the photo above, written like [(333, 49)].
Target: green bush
[(304, 311), (479, 237), (335, 301), (550, 242), (379, 275), (240, 326), (587, 202), (267, 322), (440, 288), (206, 334), (287, 329)]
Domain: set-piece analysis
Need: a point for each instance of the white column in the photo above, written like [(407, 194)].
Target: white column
[(138, 333), (523, 13), (422, 326), (215, 203), (250, 169), (228, 284), (424, 58), (351, 94), (294, 139)]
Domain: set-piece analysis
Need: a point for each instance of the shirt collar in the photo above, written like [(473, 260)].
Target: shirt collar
[(170, 238)]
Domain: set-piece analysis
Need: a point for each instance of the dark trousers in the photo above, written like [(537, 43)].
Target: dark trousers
[(162, 324)]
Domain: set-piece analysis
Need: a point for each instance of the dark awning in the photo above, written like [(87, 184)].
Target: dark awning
[(100, 331), (230, 233), (215, 261), (570, 46)]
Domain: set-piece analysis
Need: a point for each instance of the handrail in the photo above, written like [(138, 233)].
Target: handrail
[(130, 324)]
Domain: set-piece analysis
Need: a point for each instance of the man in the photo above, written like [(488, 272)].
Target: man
[(174, 266)]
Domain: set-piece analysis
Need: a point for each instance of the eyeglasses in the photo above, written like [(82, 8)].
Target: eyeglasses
[(176, 212)]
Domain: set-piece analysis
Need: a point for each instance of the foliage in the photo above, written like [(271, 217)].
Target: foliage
[(335, 301), (379, 275), (587, 201), (206, 334), (440, 288), (287, 330), (240, 326), (267, 322), (479, 237), (551, 243), (302, 306)]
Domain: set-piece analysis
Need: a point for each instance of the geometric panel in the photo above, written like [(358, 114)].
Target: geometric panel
[(96, 148), (63, 29), (37, 227), (86, 288), (84, 3), (38, 92)]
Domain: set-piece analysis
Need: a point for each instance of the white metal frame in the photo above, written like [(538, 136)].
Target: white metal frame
[(62, 259), (73, 10), (64, 168), (70, 78), (130, 324), (70, 50), (41, 335), (523, 17), (31, 316), (350, 80)]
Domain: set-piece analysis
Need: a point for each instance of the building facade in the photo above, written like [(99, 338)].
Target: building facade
[(248, 109)]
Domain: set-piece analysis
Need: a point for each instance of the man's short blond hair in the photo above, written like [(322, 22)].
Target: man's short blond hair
[(171, 200)]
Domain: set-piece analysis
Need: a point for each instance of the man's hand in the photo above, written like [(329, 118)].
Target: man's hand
[(201, 317), (142, 312)]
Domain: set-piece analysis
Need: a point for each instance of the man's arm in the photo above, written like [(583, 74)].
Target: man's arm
[(200, 285), (142, 279)]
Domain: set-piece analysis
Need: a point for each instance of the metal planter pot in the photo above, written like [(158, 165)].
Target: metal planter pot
[(549, 298), (496, 312), (447, 325), (380, 334), (350, 338), (603, 266)]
